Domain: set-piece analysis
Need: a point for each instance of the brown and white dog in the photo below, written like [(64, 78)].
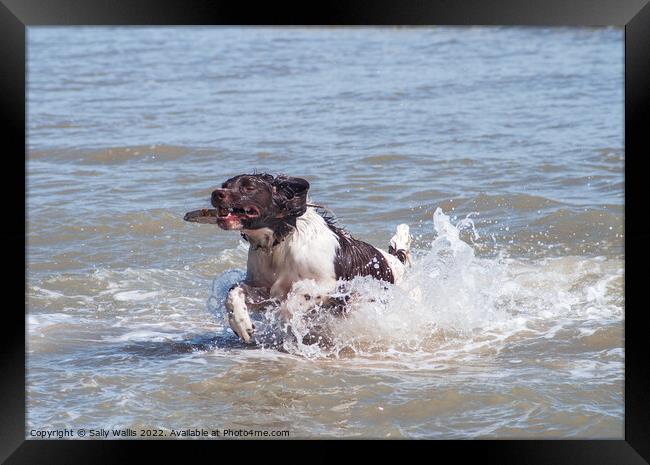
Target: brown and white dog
[(291, 242)]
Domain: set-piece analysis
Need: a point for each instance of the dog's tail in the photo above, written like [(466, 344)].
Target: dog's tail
[(400, 244)]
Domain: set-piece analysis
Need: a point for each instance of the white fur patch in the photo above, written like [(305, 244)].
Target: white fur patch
[(307, 253), (402, 238)]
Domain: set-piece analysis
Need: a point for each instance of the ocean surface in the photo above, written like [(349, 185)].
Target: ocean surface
[(501, 147)]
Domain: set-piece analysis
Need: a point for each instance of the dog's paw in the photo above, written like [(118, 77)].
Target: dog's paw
[(238, 317), (242, 325)]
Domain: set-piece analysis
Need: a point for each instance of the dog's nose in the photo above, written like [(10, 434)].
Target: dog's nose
[(218, 196)]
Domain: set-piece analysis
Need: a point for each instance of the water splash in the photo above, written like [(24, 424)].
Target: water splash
[(449, 299)]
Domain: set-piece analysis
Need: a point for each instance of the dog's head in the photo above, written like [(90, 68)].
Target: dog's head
[(255, 201)]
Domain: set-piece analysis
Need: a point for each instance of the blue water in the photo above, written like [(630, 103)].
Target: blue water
[(521, 128)]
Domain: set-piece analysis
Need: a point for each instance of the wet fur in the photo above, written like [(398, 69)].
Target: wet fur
[(358, 258), (291, 242)]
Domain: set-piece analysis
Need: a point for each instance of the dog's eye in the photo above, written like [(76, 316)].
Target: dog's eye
[(249, 188)]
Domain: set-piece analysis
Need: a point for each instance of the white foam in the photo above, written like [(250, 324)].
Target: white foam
[(136, 295), (36, 290), (143, 335), (37, 322)]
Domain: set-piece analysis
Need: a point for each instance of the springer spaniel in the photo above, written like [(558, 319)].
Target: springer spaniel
[(291, 242)]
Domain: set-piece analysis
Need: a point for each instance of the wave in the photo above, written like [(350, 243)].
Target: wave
[(117, 155), (517, 202)]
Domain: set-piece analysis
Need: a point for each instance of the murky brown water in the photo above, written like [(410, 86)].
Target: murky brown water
[(516, 134)]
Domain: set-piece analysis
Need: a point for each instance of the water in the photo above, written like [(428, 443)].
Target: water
[(509, 324)]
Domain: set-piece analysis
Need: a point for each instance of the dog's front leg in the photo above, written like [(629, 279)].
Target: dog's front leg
[(238, 317), (241, 298)]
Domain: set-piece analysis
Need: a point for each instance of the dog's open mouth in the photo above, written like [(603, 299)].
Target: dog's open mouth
[(249, 211)]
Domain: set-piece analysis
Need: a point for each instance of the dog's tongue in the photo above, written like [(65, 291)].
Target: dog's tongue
[(205, 215)]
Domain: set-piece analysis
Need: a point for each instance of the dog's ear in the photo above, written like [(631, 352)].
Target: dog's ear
[(291, 194), (289, 187)]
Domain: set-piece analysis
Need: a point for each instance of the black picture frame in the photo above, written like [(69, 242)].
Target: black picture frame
[(634, 15)]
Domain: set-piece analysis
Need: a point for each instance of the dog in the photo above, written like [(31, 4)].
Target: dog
[(291, 242)]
